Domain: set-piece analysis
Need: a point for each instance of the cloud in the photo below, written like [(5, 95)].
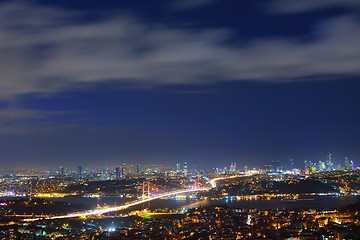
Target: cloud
[(11, 114), (48, 50), (290, 6), (19, 121)]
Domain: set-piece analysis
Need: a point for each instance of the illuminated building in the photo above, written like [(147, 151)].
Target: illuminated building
[(123, 170), (307, 163), (232, 168), (348, 165), (138, 169), (313, 168), (267, 168), (79, 172), (321, 166), (329, 163), (62, 171), (291, 161), (185, 171), (117, 173), (275, 166)]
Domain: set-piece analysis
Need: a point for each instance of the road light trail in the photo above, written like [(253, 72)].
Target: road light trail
[(131, 204), (214, 180), (118, 208)]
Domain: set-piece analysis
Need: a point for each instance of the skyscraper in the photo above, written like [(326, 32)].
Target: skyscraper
[(79, 172), (232, 169), (62, 171), (123, 170), (329, 164), (291, 162), (117, 173), (267, 168), (185, 171), (348, 164), (321, 166), (278, 166), (138, 169)]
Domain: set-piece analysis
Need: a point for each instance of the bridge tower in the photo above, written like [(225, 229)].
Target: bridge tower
[(146, 190), (196, 182)]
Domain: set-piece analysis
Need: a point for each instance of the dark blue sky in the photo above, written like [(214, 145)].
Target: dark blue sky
[(205, 81)]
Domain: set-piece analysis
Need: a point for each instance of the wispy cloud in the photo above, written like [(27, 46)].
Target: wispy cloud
[(12, 114), (46, 50), (19, 120), (15, 122), (290, 6)]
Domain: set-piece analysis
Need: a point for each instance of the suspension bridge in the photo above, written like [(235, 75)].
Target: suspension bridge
[(146, 197)]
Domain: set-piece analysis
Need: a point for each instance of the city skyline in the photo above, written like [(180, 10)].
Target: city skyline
[(289, 165), (205, 82)]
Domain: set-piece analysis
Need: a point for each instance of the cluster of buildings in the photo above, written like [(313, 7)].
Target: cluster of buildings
[(118, 172), (137, 170), (213, 222), (222, 222), (309, 166), (328, 165)]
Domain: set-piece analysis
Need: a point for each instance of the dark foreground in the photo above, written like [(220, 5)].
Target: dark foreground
[(213, 222)]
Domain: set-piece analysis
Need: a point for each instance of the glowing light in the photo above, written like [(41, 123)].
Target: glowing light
[(131, 204)]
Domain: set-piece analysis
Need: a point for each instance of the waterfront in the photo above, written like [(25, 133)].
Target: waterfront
[(316, 202)]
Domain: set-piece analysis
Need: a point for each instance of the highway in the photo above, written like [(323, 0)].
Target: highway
[(214, 180), (131, 204), (117, 208)]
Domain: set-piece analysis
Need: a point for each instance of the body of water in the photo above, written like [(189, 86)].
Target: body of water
[(314, 202)]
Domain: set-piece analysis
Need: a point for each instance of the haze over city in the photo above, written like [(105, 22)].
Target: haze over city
[(207, 82)]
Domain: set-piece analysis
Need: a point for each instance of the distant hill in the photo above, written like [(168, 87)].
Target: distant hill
[(281, 187), (304, 186)]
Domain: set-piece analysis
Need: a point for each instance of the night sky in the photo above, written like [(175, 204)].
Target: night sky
[(209, 82)]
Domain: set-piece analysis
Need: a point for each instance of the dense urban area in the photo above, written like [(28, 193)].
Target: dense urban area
[(226, 203)]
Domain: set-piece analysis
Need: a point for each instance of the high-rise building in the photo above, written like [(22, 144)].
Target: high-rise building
[(272, 166), (232, 169), (313, 168), (117, 173), (105, 175), (79, 172), (278, 166), (138, 169), (123, 170), (267, 168), (275, 166), (307, 163), (185, 171), (178, 167), (348, 164), (291, 162), (329, 164), (216, 172), (62, 171)]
